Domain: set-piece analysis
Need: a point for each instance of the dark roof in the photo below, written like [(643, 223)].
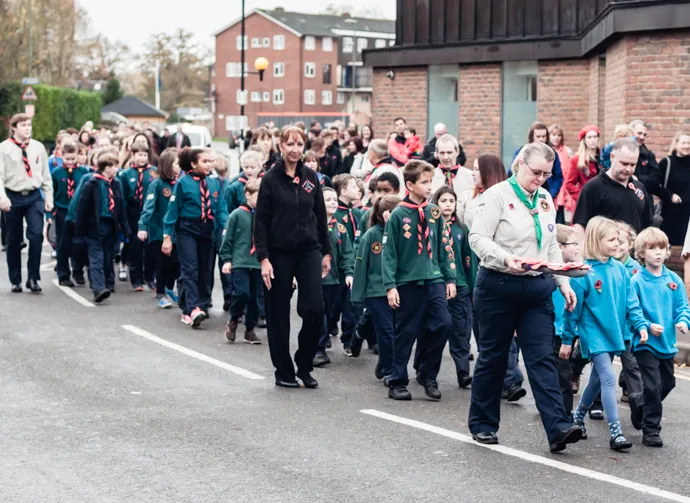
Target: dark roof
[(321, 25), (131, 106)]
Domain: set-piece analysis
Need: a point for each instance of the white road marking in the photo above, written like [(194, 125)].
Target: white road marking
[(678, 375), (71, 293), (186, 351), (44, 254), (532, 458), (49, 265)]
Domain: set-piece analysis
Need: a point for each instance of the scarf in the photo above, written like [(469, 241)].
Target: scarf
[(25, 156), (449, 174), (111, 197), (331, 225), (531, 206), (246, 208), (422, 226), (70, 183), (205, 198)]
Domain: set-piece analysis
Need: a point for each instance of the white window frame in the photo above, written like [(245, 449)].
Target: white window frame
[(348, 45), (278, 96), (256, 97), (309, 97), (266, 42), (231, 70), (326, 97), (256, 42), (340, 98), (241, 96), (238, 42), (362, 43), (379, 43), (309, 43), (327, 44), (267, 96), (310, 70), (391, 43), (279, 69), (278, 42)]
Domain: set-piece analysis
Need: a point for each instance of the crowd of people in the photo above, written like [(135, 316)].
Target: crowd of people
[(389, 242)]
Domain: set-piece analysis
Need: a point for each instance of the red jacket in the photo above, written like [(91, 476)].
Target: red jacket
[(398, 151), (413, 146), (577, 179)]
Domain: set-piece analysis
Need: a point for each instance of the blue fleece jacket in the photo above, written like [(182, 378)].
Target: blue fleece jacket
[(665, 302), (605, 298), (633, 267), (558, 308)]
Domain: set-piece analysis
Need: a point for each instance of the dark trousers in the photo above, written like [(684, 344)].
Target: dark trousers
[(167, 267), (331, 294), (507, 304), (630, 378), (31, 209), (3, 228), (344, 305), (513, 375), (64, 232), (459, 337), (135, 251), (101, 256), (305, 266), (80, 253), (225, 279), (423, 316), (195, 252), (365, 325), (383, 319), (563, 367), (246, 284), (658, 379)]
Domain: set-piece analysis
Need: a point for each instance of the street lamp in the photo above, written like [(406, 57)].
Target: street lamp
[(260, 65)]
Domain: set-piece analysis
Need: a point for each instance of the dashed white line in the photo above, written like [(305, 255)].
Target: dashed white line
[(532, 458), (71, 293), (186, 351)]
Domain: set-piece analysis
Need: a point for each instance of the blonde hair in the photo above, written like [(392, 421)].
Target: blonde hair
[(622, 131), (250, 155), (584, 157), (221, 165), (628, 229), (651, 237), (556, 129), (674, 142), (564, 233), (252, 186), (597, 228)]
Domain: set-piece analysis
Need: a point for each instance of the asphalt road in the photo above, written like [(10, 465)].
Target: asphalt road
[(157, 412)]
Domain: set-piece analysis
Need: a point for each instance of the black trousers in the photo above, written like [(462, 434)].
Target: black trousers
[(245, 295), (167, 267), (101, 256), (305, 266), (64, 232), (658, 379), (142, 265), (3, 228), (195, 251), (563, 367), (28, 207)]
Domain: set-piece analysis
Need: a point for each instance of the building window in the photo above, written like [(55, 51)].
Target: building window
[(365, 98), (266, 42), (239, 42), (279, 69), (327, 73), (256, 97), (379, 43), (309, 70), (256, 42), (442, 97), (519, 104), (362, 43), (348, 43), (232, 70), (327, 44), (278, 96), (340, 98), (326, 97), (267, 96), (279, 42), (309, 97), (241, 97), (309, 44), (391, 43)]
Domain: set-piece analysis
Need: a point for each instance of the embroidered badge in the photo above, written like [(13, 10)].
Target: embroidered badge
[(406, 227), (407, 235), (132, 179), (407, 220), (172, 198), (308, 186), (358, 233), (215, 194), (149, 197), (385, 238), (545, 205), (452, 265), (511, 206), (598, 285), (640, 194), (435, 212), (550, 227), (167, 192), (342, 229), (432, 221), (376, 248), (468, 261), (673, 286)]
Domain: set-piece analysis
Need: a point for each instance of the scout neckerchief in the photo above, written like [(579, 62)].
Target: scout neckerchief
[(449, 174), (111, 196), (531, 206), (139, 192), (70, 183), (422, 226), (249, 210), (25, 156), (348, 208), (205, 198), (448, 224)]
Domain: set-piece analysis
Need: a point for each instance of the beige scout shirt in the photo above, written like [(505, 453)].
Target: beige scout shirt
[(13, 174), (467, 207), (504, 226), (463, 180)]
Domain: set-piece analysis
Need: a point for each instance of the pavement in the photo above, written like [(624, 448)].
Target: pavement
[(122, 403)]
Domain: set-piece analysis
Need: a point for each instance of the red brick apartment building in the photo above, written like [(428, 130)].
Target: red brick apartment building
[(489, 68), (315, 67)]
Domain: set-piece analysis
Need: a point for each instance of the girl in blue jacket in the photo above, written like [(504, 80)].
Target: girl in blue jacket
[(605, 299)]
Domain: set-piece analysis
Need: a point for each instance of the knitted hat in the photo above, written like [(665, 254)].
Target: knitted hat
[(587, 129)]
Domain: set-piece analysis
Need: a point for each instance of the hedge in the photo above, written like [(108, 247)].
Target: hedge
[(57, 108)]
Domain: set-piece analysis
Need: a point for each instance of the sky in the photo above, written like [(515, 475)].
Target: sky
[(133, 21)]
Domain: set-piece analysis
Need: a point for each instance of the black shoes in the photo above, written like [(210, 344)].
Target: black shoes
[(101, 296), (620, 443), (399, 392), (226, 306), (356, 345), (321, 360), (431, 390), (17, 289), (79, 280), (515, 393), (32, 285), (471, 357), (377, 372), (287, 384), (636, 410), (231, 331), (308, 380), (66, 282), (262, 322), (329, 344), (487, 438), (584, 430), (652, 440), (464, 381), (565, 437), (596, 414), (334, 331)]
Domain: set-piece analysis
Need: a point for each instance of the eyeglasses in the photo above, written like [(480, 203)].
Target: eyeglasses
[(539, 174)]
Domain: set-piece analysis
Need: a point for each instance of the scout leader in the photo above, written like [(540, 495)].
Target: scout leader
[(419, 277)]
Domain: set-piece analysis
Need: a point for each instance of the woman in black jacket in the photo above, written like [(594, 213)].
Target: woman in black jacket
[(291, 239), (673, 177)]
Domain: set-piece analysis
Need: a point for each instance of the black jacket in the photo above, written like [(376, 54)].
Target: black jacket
[(88, 218), (290, 213), (172, 140), (647, 171), (430, 150), (336, 158)]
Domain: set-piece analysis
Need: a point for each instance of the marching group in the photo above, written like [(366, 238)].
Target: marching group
[(402, 244)]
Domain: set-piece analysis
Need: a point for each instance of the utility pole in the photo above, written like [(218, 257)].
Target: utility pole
[(31, 47), (354, 76), (158, 87), (242, 81)]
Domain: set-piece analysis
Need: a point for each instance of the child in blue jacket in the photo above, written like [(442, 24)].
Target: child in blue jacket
[(605, 299), (665, 304)]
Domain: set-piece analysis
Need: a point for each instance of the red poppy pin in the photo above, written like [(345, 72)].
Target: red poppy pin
[(673, 286), (511, 206), (631, 186), (635, 271), (296, 180), (598, 285), (215, 194)]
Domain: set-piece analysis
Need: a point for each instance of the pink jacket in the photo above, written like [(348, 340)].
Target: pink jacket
[(564, 199)]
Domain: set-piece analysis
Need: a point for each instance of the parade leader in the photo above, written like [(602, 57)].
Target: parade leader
[(26, 191)]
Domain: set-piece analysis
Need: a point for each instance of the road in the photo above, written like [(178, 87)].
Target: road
[(122, 403)]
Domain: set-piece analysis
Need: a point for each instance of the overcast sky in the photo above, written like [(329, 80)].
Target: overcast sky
[(132, 21)]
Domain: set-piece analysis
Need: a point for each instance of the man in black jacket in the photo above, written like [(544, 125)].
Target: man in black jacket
[(430, 148), (647, 169), (179, 139)]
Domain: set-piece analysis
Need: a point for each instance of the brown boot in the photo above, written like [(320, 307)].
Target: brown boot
[(251, 338), (231, 331)]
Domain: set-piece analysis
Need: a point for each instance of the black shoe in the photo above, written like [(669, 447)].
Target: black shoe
[(471, 357), (348, 352), (375, 349), (636, 410), (329, 344), (652, 440), (399, 392), (4, 248), (79, 280), (111, 290), (66, 282), (262, 323), (32, 285), (487, 438), (515, 393), (418, 378), (226, 305), (387, 381), (17, 289), (287, 384), (356, 345), (321, 360), (23, 245), (377, 372), (151, 285), (101, 296), (569, 436), (596, 414), (464, 380), (620, 443), (431, 390), (308, 380), (584, 430)]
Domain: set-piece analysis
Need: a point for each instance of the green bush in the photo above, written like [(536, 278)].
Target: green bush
[(57, 108)]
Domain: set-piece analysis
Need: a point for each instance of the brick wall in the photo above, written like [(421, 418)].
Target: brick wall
[(479, 97), (615, 102), (405, 96)]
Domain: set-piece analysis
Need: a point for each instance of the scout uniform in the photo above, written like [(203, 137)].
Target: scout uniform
[(418, 264), (80, 254), (457, 178)]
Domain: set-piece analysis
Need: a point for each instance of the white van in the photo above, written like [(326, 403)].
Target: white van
[(199, 136)]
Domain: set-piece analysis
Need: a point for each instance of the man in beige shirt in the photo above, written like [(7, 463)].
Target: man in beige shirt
[(26, 191)]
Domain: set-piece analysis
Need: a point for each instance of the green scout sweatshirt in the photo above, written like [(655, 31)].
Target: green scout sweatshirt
[(342, 256), (238, 240), (368, 281)]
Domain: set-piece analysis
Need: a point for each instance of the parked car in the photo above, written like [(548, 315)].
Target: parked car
[(199, 136)]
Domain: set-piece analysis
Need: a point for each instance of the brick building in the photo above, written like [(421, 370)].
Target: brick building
[(315, 67), (489, 69)]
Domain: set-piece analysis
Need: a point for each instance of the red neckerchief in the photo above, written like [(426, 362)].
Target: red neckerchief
[(242, 180), (422, 226), (246, 208), (205, 198), (349, 212), (449, 174), (25, 156), (111, 197), (448, 224), (331, 225), (174, 181), (139, 192), (70, 183)]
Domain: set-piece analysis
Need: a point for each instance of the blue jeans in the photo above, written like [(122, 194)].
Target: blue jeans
[(601, 379)]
